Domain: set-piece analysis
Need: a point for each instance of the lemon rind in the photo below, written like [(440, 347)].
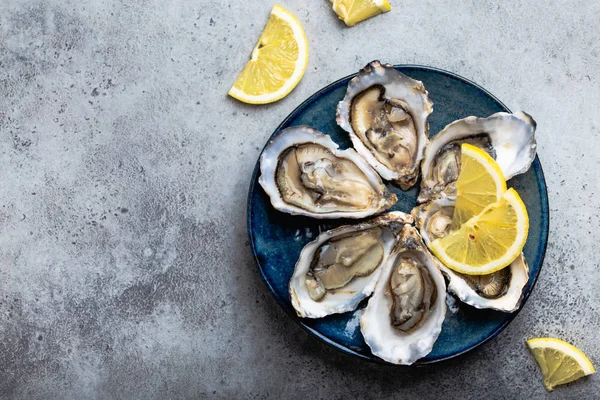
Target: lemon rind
[(511, 253), (383, 6), (560, 345), (490, 165), (298, 73)]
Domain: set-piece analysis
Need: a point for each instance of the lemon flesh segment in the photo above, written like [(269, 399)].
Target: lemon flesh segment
[(355, 11), (559, 361), (277, 63), (480, 183), (489, 241)]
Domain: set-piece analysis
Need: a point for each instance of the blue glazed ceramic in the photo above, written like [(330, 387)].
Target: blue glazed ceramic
[(276, 238)]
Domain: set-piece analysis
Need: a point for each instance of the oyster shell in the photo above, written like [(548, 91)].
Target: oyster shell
[(304, 173), (404, 315), (386, 114), (502, 290), (508, 138), (337, 270)]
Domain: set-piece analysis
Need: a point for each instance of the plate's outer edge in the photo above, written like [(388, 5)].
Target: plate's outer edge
[(283, 302)]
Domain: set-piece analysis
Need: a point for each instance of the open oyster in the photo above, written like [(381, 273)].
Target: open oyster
[(385, 112), (404, 315), (304, 173), (508, 138), (341, 266), (501, 290)]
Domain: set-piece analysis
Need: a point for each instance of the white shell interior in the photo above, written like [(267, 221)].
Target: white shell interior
[(304, 134), (385, 341), (398, 86), (512, 137), (359, 288), (508, 302)]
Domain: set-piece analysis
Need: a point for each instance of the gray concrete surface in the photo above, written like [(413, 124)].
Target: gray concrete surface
[(125, 270)]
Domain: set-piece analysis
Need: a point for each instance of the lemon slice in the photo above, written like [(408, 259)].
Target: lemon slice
[(354, 11), (277, 63), (489, 241), (559, 361), (479, 184)]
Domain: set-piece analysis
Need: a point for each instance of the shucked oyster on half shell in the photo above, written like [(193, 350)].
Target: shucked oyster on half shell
[(404, 315), (502, 290), (304, 173), (386, 114), (337, 270), (507, 138)]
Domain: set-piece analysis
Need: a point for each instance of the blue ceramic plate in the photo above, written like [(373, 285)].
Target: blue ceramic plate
[(277, 238)]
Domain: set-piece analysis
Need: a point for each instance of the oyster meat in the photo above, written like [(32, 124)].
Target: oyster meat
[(304, 173), (404, 315), (508, 138), (386, 114), (337, 270), (502, 290)]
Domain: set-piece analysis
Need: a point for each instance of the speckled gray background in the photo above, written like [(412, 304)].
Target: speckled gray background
[(125, 270)]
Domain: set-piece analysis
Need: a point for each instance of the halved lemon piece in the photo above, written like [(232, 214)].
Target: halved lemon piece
[(488, 241), (480, 183), (559, 361), (277, 63), (354, 11)]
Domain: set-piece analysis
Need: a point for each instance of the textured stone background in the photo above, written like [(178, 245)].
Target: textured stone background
[(125, 270)]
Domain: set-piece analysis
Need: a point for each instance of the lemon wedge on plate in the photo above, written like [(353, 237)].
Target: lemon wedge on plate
[(480, 183), (488, 241), (277, 63), (559, 361), (354, 11)]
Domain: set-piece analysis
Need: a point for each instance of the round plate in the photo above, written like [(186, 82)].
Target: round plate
[(276, 238)]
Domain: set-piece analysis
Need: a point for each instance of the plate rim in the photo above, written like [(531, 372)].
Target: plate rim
[(346, 350)]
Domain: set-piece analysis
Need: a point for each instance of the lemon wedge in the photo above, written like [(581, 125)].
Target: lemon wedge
[(479, 184), (559, 361), (354, 11), (488, 241), (278, 61)]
